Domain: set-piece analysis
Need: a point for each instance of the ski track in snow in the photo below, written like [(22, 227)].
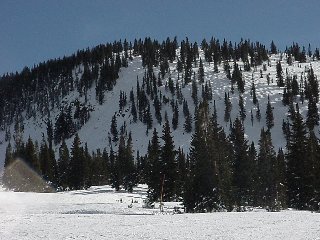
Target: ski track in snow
[(101, 213)]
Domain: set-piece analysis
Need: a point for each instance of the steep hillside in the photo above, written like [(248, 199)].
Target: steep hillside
[(220, 126), (96, 132)]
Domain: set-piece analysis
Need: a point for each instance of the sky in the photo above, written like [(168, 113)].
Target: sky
[(33, 31)]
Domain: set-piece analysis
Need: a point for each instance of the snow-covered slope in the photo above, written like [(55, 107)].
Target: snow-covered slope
[(96, 131), (101, 213)]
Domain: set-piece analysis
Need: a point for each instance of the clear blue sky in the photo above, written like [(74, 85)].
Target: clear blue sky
[(37, 30)]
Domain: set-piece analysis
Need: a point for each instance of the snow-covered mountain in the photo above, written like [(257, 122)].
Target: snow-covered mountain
[(96, 132)]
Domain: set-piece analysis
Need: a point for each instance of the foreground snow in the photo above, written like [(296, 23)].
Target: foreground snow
[(99, 213)]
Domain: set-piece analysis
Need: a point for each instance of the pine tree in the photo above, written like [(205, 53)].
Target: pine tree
[(254, 96), (114, 129), (175, 117), (279, 75), (208, 183), (237, 77), (242, 110), (119, 165), (128, 168), (273, 48), (312, 115), (228, 107), (242, 167), (182, 172), (269, 115), (31, 157), (153, 168), (266, 160), (157, 108), (199, 195), (194, 93), (311, 172), (280, 180), (169, 165), (258, 113), (48, 163), (201, 72), (77, 165), (296, 152), (63, 166)]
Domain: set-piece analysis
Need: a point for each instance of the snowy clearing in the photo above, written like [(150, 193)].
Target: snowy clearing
[(100, 213)]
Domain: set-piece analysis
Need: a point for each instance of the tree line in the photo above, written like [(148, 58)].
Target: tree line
[(220, 172)]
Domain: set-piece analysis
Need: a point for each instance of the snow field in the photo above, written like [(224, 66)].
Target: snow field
[(101, 213)]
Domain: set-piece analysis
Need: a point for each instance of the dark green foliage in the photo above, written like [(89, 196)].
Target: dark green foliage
[(237, 77), (312, 115), (201, 72), (208, 184), (175, 117), (63, 166), (266, 190), (254, 95), (269, 115), (280, 81), (228, 108), (64, 126), (273, 48), (242, 110), (79, 164), (296, 163), (312, 173), (47, 162), (194, 93), (242, 166), (168, 164), (153, 168), (114, 129)]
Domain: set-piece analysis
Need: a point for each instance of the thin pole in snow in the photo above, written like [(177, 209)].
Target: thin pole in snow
[(161, 194)]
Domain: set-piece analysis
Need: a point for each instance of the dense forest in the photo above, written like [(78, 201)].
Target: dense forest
[(221, 171)]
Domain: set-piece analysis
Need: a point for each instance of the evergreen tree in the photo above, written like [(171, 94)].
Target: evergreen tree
[(200, 195), (258, 113), (311, 172), (296, 152), (175, 117), (280, 180), (273, 48), (242, 110), (154, 171), (182, 172), (129, 170), (48, 163), (201, 72), (208, 184), (254, 95), (63, 166), (30, 156), (169, 165), (312, 115), (114, 129), (280, 81), (237, 77), (242, 167), (228, 107), (269, 115), (266, 160), (78, 169), (194, 93)]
